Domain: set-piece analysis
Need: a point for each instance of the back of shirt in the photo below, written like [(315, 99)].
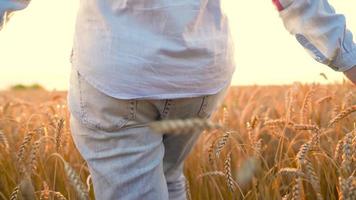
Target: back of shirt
[(153, 48)]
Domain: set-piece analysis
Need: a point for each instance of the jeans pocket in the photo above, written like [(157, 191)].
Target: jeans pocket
[(96, 109), (212, 102)]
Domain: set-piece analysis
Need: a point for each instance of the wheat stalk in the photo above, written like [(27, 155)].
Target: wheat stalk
[(211, 153), (303, 151), (225, 121), (76, 182), (74, 179), (354, 148), (335, 111), (339, 151), (257, 147), (26, 141), (44, 194), (253, 123), (59, 196), (212, 173), (250, 128), (277, 123), (348, 99), (290, 102), (180, 126), (344, 195), (314, 128), (291, 172), (228, 174), (306, 106), (88, 182), (347, 153), (187, 190), (221, 142), (342, 115), (15, 193), (4, 140), (297, 189), (59, 131), (33, 156), (286, 196), (324, 99), (313, 178)]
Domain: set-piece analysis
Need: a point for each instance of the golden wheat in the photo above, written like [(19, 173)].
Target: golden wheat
[(228, 174), (342, 115), (264, 146)]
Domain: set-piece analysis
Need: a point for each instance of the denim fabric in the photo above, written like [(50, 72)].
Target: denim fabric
[(127, 160)]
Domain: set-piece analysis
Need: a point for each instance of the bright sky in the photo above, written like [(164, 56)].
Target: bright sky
[(35, 46)]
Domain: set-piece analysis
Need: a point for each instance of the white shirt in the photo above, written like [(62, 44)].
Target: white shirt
[(160, 49)]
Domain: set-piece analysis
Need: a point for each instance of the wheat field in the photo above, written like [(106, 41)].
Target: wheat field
[(272, 142)]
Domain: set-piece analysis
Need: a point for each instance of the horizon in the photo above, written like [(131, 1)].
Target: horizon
[(36, 86)]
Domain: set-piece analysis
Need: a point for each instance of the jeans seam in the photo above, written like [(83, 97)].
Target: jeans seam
[(203, 105), (133, 108), (82, 106), (166, 109), (82, 113)]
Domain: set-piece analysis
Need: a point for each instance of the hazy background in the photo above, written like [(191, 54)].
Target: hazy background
[(35, 46)]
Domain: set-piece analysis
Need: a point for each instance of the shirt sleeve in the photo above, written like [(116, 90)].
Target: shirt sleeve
[(320, 30), (8, 6)]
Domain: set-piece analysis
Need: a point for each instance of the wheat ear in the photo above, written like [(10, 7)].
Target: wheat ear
[(291, 172), (59, 131), (182, 126), (347, 154), (74, 179), (26, 141), (313, 178), (303, 151), (44, 194), (277, 123), (211, 153), (187, 190), (4, 140), (297, 189), (324, 99), (339, 151), (76, 182), (212, 173), (228, 174), (33, 156), (14, 194), (306, 106), (342, 115), (349, 188), (221, 143)]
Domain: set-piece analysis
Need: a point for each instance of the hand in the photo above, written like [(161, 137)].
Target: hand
[(351, 74)]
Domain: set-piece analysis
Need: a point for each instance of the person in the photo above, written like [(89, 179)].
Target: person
[(136, 62)]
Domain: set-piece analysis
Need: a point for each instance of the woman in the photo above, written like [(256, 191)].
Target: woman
[(136, 62)]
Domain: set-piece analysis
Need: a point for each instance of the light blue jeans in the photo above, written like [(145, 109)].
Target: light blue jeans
[(126, 159)]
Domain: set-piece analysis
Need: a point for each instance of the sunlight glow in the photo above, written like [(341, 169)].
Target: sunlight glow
[(36, 44)]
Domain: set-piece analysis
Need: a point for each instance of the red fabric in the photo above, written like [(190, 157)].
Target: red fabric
[(278, 4)]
